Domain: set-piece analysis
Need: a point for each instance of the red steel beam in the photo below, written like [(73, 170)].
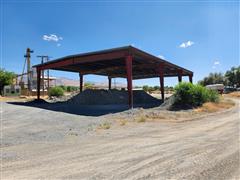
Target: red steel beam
[(56, 64), (129, 60), (190, 78), (84, 59), (81, 82), (109, 83), (38, 83), (161, 79), (180, 72)]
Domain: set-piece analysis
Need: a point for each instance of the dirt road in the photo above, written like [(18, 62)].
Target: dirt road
[(44, 144)]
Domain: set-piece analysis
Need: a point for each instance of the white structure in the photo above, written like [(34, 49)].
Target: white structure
[(12, 90), (216, 87)]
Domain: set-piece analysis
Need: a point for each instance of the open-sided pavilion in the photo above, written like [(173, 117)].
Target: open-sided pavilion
[(123, 62)]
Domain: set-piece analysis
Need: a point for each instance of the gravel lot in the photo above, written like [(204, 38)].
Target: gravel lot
[(43, 144)]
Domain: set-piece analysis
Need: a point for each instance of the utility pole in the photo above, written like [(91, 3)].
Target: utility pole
[(28, 57), (42, 61)]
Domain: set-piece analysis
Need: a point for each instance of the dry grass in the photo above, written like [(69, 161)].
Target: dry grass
[(141, 119), (122, 122), (234, 94), (155, 116), (105, 125), (214, 107)]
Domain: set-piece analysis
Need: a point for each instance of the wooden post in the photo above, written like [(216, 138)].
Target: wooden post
[(129, 60), (109, 83), (190, 78), (161, 79), (180, 76), (38, 82), (81, 82)]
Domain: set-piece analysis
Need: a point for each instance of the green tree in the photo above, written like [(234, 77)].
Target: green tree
[(145, 88), (6, 78), (213, 78), (156, 88), (56, 91), (233, 77)]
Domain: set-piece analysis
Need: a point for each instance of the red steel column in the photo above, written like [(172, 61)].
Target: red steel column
[(42, 83), (38, 82), (180, 76), (161, 78), (129, 80), (81, 81), (190, 78), (109, 83)]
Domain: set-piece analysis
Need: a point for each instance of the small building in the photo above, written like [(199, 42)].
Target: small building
[(12, 90), (123, 62)]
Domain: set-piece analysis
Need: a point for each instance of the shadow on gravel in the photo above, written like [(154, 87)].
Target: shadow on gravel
[(86, 110)]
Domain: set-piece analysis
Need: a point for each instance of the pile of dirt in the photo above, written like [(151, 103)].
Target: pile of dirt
[(107, 97)]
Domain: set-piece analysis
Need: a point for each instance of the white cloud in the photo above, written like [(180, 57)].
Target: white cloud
[(161, 56), (58, 44), (216, 64), (186, 44), (52, 37)]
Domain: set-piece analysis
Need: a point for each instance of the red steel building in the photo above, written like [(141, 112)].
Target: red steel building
[(123, 62)]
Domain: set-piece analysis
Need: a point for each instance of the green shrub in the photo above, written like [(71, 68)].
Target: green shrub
[(213, 96), (72, 88), (56, 91), (88, 85), (63, 87), (193, 95)]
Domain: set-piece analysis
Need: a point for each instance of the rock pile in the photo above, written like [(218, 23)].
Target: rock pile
[(107, 97)]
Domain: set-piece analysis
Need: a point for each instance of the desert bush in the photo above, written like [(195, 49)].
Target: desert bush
[(56, 91), (148, 88), (72, 88), (123, 122), (141, 119), (88, 85), (63, 87), (105, 125), (189, 94)]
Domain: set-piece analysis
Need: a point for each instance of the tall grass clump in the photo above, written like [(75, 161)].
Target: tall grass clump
[(56, 91), (188, 94)]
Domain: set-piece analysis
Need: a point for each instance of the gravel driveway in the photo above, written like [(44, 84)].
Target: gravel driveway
[(42, 144)]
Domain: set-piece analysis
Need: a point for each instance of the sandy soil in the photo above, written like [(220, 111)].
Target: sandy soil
[(43, 144)]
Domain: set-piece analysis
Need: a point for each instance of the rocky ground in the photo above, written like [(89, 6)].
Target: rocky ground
[(40, 143)]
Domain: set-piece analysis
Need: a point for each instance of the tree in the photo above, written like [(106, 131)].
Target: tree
[(233, 77), (6, 78), (145, 88), (156, 88), (213, 78)]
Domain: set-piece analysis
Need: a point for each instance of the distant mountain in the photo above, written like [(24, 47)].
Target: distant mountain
[(66, 81), (72, 82)]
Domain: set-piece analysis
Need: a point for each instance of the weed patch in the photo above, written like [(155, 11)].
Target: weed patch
[(105, 125)]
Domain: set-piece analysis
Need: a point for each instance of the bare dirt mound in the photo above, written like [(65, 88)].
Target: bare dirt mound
[(107, 97)]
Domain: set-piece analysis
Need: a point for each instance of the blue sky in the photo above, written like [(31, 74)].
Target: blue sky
[(200, 36)]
